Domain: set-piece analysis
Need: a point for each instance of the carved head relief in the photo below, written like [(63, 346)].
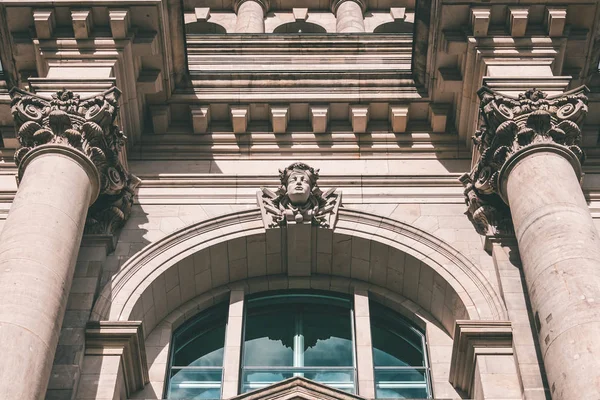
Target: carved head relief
[(298, 187), (299, 200)]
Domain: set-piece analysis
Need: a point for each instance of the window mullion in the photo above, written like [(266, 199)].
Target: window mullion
[(299, 343), (233, 341), (364, 346)]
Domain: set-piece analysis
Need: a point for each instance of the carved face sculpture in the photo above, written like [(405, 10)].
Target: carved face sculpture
[(298, 188)]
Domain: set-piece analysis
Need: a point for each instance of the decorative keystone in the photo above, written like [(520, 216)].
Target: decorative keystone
[(512, 126), (555, 21), (398, 115), (300, 14), (299, 200), (87, 126), (517, 21), (398, 13), (202, 13), (480, 21)]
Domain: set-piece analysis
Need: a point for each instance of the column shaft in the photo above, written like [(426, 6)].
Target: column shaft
[(250, 18), (349, 17), (38, 249), (560, 251)]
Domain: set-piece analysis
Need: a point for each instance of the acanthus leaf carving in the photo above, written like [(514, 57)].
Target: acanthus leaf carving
[(88, 126), (510, 125), (299, 200)]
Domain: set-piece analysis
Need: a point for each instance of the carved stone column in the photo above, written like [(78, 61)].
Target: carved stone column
[(530, 159), (69, 160), (250, 15), (349, 15)]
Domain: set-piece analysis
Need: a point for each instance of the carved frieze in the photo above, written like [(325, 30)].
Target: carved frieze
[(299, 200), (88, 126), (509, 126)]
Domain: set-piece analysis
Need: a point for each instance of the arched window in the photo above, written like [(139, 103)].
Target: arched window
[(399, 358), (395, 27), (197, 356), (307, 335), (299, 27), (289, 334)]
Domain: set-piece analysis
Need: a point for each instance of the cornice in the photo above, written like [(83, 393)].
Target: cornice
[(472, 339)]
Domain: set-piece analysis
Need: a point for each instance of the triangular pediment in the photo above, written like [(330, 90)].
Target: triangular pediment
[(297, 388)]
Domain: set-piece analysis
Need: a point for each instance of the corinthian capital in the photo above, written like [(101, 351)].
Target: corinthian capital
[(88, 127), (509, 127)]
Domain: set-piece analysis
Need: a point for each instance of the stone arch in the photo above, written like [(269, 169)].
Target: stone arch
[(234, 247), (204, 27), (439, 342), (394, 27)]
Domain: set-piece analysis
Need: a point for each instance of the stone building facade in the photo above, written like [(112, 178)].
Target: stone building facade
[(429, 167)]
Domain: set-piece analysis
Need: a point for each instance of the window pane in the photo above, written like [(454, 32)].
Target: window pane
[(255, 378), (269, 338), (408, 383), (204, 350), (298, 334), (195, 384), (395, 347), (327, 338)]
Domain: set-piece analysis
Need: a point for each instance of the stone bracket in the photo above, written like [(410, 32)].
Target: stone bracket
[(438, 115), (82, 23), (555, 20), (473, 339), (280, 116), (319, 117), (480, 20), (200, 118), (45, 22), (124, 339), (161, 118), (359, 116), (398, 115), (517, 21), (240, 116), (119, 23)]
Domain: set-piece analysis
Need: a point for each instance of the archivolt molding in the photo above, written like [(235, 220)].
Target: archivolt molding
[(121, 299)]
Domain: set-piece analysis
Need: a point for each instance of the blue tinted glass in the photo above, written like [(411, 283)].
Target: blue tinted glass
[(298, 335), (406, 383), (195, 384), (255, 378), (327, 338), (204, 350), (269, 338)]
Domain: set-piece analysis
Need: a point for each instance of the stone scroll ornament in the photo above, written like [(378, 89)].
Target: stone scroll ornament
[(509, 126), (299, 200), (87, 125)]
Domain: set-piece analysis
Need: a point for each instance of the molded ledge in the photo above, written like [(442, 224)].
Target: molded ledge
[(124, 339), (472, 339)]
